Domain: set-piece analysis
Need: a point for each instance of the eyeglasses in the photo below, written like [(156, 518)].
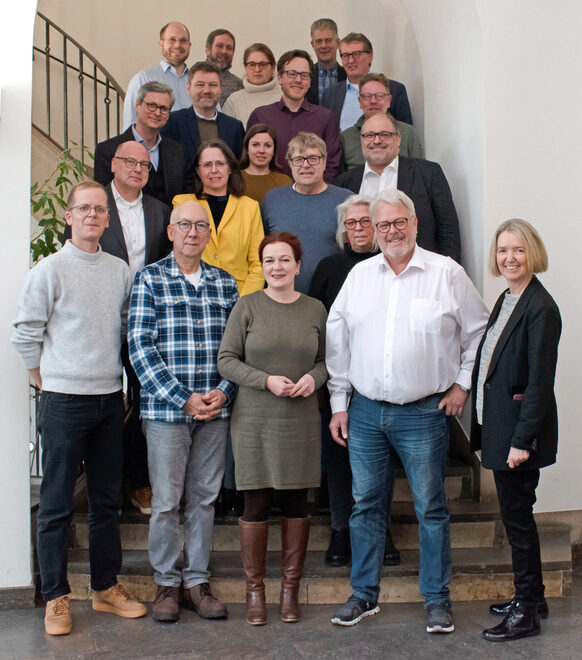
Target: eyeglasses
[(385, 226), (133, 164), (208, 165), (173, 40), (186, 226), (351, 223), (355, 55), (154, 107), (378, 96), (85, 209), (383, 135), (304, 75), (261, 66), (299, 161)]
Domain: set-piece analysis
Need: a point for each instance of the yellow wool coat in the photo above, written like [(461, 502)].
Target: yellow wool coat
[(235, 246)]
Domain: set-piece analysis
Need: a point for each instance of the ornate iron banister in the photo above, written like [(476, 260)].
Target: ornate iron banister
[(76, 88)]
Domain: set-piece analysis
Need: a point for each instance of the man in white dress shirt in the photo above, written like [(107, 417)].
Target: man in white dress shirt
[(401, 341), (172, 71)]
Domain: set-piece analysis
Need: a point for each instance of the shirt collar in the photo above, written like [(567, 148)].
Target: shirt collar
[(305, 106), (393, 165), (352, 86), (138, 138), (119, 200), (202, 116), (326, 72), (166, 66), (416, 261)]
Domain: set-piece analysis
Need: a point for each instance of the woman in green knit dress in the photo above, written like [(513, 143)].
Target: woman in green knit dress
[(274, 349)]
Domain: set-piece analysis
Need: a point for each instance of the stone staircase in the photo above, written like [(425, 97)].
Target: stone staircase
[(481, 557)]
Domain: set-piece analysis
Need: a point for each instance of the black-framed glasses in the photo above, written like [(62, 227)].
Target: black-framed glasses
[(154, 107), (186, 226), (351, 223), (304, 75), (378, 96), (133, 164), (85, 209), (299, 161), (261, 66), (355, 55), (370, 136), (384, 226)]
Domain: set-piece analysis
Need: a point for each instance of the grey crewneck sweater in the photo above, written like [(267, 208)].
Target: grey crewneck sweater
[(70, 320)]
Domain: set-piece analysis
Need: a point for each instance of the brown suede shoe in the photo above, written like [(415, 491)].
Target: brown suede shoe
[(166, 606), (118, 600), (57, 618), (201, 600)]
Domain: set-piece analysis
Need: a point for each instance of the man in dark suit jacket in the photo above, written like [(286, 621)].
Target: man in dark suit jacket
[(170, 174), (422, 180), (325, 42), (356, 55), (202, 122)]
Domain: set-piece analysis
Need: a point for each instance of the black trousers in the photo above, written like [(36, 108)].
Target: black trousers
[(516, 490)]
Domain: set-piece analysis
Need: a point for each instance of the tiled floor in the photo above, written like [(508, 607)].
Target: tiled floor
[(397, 632)]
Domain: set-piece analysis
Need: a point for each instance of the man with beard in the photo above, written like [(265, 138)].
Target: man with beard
[(220, 45)]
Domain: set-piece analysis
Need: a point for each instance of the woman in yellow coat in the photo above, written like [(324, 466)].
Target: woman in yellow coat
[(235, 219)]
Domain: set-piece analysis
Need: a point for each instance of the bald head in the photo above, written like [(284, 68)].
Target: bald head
[(189, 231)]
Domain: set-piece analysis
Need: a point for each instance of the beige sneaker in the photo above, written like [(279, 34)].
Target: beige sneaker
[(57, 618), (142, 499), (118, 600)]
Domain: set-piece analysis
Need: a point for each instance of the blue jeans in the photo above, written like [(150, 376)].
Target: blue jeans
[(184, 459), (77, 428), (417, 432)]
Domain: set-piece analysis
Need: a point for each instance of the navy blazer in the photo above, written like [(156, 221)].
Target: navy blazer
[(425, 183), (334, 96), (313, 92), (182, 126), (178, 174), (156, 217), (519, 406)]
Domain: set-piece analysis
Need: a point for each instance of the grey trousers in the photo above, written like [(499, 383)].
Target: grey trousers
[(184, 459)]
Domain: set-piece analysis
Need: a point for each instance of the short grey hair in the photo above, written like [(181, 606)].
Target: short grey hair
[(341, 235), (392, 196), (156, 87), (324, 24)]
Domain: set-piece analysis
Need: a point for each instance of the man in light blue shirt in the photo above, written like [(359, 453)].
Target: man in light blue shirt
[(172, 71)]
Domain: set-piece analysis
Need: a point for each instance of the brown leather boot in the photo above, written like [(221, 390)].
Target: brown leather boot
[(253, 549), (294, 536)]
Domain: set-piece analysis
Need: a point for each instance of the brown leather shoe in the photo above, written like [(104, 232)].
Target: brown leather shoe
[(142, 499), (200, 599), (253, 548), (118, 600), (294, 536), (57, 618), (167, 604)]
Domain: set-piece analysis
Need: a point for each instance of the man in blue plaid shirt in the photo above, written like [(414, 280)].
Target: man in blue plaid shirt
[(178, 311)]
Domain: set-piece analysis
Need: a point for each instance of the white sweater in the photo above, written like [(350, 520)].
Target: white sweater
[(240, 104)]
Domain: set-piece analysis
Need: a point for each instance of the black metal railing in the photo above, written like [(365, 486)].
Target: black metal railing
[(75, 99)]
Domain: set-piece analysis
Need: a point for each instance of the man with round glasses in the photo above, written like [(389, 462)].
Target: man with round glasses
[(177, 314), (169, 174), (392, 384), (422, 180), (293, 113)]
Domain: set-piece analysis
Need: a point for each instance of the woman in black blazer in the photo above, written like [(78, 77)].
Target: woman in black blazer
[(514, 421)]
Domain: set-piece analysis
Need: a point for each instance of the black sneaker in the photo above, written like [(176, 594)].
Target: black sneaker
[(353, 611), (440, 618)]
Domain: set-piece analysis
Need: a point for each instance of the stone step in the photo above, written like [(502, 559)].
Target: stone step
[(464, 533), (478, 574)]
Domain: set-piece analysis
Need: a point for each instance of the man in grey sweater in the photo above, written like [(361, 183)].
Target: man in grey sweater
[(68, 333)]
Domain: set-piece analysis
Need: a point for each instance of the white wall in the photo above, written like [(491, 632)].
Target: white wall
[(15, 86)]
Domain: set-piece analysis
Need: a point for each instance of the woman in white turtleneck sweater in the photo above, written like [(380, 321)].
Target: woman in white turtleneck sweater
[(260, 84)]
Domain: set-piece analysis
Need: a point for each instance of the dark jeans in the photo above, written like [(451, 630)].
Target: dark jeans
[(137, 449), (77, 428), (516, 490)]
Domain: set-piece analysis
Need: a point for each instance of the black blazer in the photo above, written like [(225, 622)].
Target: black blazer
[(178, 174), (523, 365), (334, 96), (182, 126), (425, 183), (156, 217), (313, 92)]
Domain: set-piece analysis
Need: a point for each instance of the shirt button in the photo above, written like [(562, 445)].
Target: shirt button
[(487, 386), (198, 322), (199, 371)]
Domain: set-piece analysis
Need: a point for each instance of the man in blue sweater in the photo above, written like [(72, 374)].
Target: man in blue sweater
[(308, 207)]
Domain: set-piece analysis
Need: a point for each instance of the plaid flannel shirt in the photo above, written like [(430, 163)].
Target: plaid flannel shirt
[(174, 335)]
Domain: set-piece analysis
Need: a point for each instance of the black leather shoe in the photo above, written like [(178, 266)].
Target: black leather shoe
[(521, 621), (391, 553), (502, 609), (339, 551)]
